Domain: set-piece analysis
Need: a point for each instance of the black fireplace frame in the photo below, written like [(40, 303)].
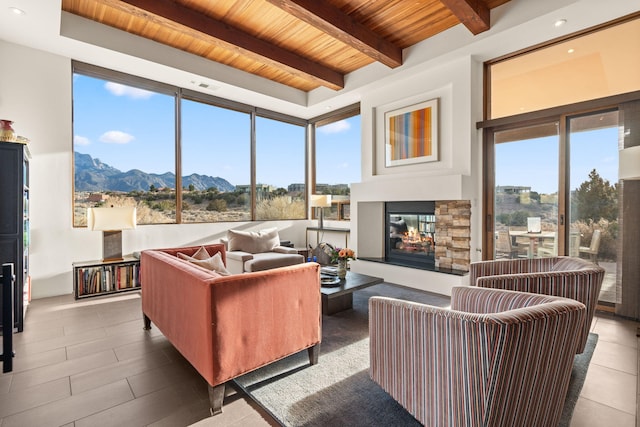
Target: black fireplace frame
[(406, 208)]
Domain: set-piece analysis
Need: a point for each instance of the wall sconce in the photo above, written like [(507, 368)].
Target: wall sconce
[(629, 163), (321, 201), (111, 221)]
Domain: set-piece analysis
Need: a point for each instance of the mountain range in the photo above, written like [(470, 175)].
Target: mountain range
[(93, 175)]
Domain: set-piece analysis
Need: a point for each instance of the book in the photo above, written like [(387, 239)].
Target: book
[(328, 270)]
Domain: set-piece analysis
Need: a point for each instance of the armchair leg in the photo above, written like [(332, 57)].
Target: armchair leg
[(314, 352), (216, 396), (147, 322)]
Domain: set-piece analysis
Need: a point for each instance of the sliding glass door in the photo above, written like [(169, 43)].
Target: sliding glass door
[(553, 189), (593, 185), (526, 191)]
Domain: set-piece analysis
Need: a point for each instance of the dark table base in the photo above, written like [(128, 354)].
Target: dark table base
[(339, 298)]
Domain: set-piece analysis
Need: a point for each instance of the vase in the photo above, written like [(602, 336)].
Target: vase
[(342, 268), (6, 131)]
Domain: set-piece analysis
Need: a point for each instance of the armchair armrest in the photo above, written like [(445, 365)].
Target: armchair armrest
[(574, 284), (479, 300), (225, 242), (236, 260), (285, 250), (508, 266)]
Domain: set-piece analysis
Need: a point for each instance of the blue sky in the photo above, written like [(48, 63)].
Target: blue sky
[(534, 163), (130, 128)]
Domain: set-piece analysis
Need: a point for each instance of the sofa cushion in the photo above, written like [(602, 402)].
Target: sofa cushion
[(253, 241), (267, 261), (213, 263)]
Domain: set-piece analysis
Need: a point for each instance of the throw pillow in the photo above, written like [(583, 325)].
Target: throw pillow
[(213, 263), (201, 254), (253, 242)]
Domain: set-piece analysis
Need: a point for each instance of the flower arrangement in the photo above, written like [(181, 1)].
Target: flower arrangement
[(344, 254)]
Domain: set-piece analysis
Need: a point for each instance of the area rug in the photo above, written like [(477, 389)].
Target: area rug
[(338, 390)]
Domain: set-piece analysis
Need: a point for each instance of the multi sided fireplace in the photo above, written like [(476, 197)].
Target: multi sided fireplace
[(410, 227)]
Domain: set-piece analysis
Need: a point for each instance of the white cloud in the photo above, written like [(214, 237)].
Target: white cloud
[(81, 140), (343, 165), (121, 90), (116, 137), (335, 127)]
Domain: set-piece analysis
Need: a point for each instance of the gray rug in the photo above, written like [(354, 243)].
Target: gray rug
[(338, 391)]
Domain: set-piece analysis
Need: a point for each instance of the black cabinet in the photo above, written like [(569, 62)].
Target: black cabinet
[(14, 222)]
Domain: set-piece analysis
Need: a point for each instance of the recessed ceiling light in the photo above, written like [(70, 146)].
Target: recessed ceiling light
[(559, 23), (17, 11), (571, 50)]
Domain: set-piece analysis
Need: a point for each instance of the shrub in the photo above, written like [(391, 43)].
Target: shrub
[(218, 205), (280, 208)]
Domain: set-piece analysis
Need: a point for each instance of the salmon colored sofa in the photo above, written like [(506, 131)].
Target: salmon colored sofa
[(226, 326)]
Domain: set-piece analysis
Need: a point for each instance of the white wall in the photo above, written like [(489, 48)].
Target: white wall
[(445, 179)]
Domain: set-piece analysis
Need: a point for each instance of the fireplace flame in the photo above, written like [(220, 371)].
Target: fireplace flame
[(413, 241)]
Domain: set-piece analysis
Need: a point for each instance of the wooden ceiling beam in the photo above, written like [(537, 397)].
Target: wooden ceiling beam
[(202, 27), (474, 14), (341, 26)]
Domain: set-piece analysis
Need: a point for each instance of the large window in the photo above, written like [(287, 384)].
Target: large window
[(280, 163), (129, 133), (216, 163), (583, 67), (124, 149), (338, 160)]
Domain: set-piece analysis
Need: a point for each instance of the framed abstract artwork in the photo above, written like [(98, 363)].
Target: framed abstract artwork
[(411, 134)]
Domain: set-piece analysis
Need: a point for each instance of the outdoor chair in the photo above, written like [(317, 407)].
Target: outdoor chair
[(592, 249), (496, 358), (549, 249), (505, 249)]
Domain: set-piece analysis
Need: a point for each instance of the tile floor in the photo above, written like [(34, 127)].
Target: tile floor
[(89, 363)]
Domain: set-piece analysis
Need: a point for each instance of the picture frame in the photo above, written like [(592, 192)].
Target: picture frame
[(411, 134)]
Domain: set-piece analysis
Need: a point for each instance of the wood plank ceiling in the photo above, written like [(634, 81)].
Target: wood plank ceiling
[(304, 44)]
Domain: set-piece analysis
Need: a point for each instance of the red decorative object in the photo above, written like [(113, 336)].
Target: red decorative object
[(6, 131)]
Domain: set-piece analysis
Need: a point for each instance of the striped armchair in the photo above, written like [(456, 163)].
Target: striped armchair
[(497, 358), (560, 276)]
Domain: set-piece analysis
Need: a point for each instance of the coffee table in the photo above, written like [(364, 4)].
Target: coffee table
[(338, 298)]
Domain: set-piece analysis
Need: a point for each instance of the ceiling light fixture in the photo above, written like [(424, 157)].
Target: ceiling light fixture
[(571, 50), (559, 23), (204, 85), (17, 11)]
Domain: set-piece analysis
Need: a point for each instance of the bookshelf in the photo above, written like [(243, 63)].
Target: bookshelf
[(96, 278)]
